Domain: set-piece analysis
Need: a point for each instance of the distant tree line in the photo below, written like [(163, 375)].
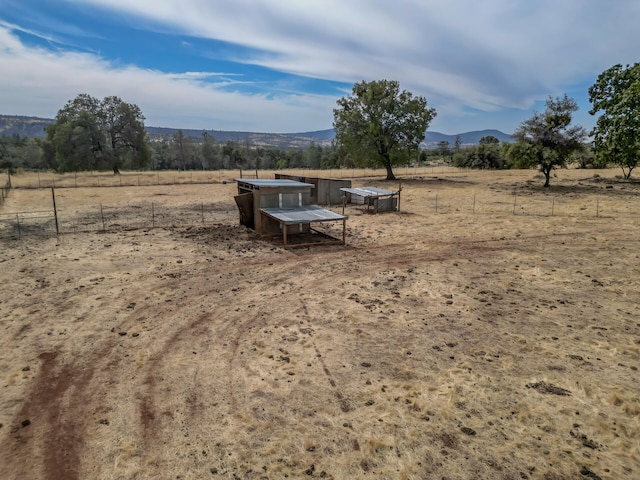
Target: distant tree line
[(378, 124)]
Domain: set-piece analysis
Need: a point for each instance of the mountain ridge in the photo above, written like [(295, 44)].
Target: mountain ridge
[(28, 126)]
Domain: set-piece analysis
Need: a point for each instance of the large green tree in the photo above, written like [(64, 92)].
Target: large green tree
[(616, 135), (379, 123), (90, 134), (548, 139)]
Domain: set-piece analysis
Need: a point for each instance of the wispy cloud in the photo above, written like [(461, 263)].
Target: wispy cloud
[(476, 62), (52, 78)]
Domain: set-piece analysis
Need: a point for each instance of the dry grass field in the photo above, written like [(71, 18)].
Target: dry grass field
[(490, 330)]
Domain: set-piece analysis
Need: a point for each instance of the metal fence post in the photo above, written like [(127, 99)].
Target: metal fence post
[(55, 210)]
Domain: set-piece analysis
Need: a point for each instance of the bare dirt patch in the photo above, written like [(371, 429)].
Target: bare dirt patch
[(470, 339)]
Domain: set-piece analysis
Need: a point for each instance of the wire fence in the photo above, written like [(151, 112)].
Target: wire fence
[(149, 214), (503, 204), (40, 216), (105, 218), (170, 177)]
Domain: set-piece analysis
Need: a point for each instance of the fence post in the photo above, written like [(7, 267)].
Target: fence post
[(55, 210), (515, 197), (597, 207), (153, 216), (553, 204), (436, 203), (202, 213), (474, 203), (102, 217)]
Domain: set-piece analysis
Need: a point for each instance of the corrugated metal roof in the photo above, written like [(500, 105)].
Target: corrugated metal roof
[(305, 214), (274, 182), (368, 191)]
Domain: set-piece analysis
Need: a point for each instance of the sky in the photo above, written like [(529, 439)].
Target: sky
[(279, 66)]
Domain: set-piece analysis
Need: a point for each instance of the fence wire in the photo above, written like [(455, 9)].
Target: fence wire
[(104, 218)]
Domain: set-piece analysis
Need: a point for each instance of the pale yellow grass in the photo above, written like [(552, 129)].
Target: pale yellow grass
[(416, 351)]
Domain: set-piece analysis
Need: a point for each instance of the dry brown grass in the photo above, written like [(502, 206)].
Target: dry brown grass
[(434, 345)]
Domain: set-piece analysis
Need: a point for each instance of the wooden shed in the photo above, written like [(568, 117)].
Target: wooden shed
[(283, 207), (326, 191)]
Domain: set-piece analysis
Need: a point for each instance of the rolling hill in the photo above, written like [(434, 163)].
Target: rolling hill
[(35, 127)]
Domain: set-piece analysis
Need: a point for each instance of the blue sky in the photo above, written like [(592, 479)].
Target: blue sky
[(280, 65)]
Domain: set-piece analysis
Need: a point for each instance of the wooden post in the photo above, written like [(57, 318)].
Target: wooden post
[(515, 197), (436, 203), (153, 216), (203, 213), (553, 204), (474, 203), (55, 210), (284, 234), (18, 224), (399, 190), (597, 207)]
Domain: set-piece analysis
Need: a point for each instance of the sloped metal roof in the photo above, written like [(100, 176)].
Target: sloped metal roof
[(368, 191), (274, 182), (304, 214)]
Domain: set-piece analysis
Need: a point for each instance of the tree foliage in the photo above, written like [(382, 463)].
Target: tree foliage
[(379, 123), (548, 139), (616, 135), (489, 154), (90, 134)]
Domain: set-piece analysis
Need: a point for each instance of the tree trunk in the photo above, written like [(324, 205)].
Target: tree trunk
[(546, 169), (387, 164)]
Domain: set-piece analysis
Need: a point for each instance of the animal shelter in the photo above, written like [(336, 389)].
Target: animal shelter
[(326, 191), (374, 199), (284, 207)]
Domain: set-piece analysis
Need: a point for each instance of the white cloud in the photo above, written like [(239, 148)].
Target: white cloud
[(461, 54), (39, 82)]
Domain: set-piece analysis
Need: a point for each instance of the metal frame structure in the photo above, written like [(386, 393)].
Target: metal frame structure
[(308, 214), (372, 197)]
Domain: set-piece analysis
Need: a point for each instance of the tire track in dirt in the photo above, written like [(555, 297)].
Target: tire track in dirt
[(229, 327), (50, 421), (57, 408)]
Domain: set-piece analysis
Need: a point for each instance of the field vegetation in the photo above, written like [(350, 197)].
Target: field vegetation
[(488, 330)]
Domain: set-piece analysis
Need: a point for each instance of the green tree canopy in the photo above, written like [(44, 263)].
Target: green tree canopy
[(616, 135), (548, 139), (379, 123), (489, 140), (486, 155), (90, 134)]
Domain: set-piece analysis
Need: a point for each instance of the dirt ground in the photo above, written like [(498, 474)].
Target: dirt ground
[(473, 335)]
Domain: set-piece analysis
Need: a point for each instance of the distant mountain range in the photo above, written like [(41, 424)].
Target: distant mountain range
[(35, 127)]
